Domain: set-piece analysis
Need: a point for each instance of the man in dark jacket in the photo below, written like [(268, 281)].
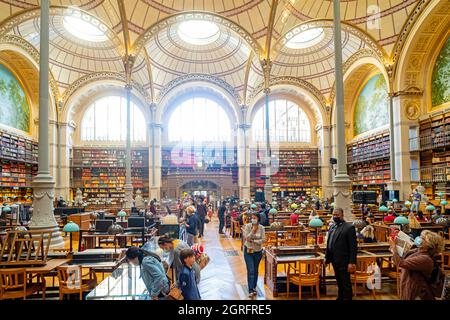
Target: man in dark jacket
[(202, 212), (264, 215), (341, 252), (221, 214)]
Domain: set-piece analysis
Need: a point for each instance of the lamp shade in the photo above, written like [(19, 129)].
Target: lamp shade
[(440, 194), (408, 203), (115, 229), (306, 202), (273, 211), (277, 226), (316, 223), (401, 220), (274, 204), (394, 200), (242, 203), (333, 205), (122, 214), (294, 206), (430, 208), (289, 201), (71, 227), (444, 202), (253, 206), (6, 209), (383, 209)]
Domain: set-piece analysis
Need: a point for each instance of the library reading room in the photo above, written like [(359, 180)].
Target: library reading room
[(224, 150)]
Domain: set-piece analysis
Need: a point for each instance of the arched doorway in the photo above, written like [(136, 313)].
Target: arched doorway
[(201, 187)]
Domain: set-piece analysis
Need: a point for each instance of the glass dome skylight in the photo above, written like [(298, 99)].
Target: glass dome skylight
[(85, 28), (306, 39), (198, 32)]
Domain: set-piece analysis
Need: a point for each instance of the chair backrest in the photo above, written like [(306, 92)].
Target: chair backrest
[(364, 266), (308, 269), (12, 280), (69, 276)]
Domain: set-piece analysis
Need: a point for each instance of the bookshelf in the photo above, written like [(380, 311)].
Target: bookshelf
[(18, 166), (369, 161), (100, 174), (297, 172), (434, 135)]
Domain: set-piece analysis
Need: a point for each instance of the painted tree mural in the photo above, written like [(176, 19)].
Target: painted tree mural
[(441, 77), (372, 106), (14, 108)]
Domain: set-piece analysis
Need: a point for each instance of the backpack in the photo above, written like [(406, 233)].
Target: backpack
[(436, 280)]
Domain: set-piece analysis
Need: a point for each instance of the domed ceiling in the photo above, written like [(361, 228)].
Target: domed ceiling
[(296, 35)]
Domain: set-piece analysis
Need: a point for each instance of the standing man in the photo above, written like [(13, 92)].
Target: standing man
[(202, 212), (416, 197), (221, 214), (341, 252)]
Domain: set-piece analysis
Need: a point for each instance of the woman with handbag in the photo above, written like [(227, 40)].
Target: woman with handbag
[(254, 237), (152, 271)]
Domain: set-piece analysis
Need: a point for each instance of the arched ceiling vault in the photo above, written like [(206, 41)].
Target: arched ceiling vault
[(249, 31)]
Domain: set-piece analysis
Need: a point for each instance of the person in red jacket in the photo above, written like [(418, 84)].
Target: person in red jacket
[(294, 219), (390, 217)]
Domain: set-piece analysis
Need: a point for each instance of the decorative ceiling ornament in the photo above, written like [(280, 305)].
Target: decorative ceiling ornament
[(196, 15)]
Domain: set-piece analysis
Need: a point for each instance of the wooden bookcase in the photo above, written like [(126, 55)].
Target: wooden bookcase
[(18, 166), (369, 161), (100, 174), (434, 135), (297, 171)]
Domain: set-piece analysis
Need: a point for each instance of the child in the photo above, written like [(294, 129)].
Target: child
[(186, 278)]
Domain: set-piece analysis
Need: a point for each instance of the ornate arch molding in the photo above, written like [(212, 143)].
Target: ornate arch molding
[(317, 108), (34, 13), (418, 49), (294, 81), (24, 45), (328, 23), (197, 15), (98, 77), (406, 31), (202, 78), (355, 59)]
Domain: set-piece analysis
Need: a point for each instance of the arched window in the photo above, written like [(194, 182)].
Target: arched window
[(199, 119), (288, 123), (106, 120)]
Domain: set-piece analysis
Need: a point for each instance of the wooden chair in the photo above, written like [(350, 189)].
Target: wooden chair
[(392, 272), (364, 271), (305, 273), (293, 237), (236, 229), (13, 284), (71, 281), (445, 261)]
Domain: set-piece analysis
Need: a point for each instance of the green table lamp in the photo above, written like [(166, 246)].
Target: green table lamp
[(70, 228), (122, 214), (317, 224)]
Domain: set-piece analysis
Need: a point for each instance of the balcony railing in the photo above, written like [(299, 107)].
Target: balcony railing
[(414, 144), (430, 142), (434, 174)]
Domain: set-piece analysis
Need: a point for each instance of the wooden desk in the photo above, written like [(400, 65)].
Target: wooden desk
[(287, 255), (49, 267)]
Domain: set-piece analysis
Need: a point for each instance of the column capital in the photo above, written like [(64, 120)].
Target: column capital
[(153, 107), (155, 125), (410, 91), (267, 90), (128, 87), (245, 126)]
